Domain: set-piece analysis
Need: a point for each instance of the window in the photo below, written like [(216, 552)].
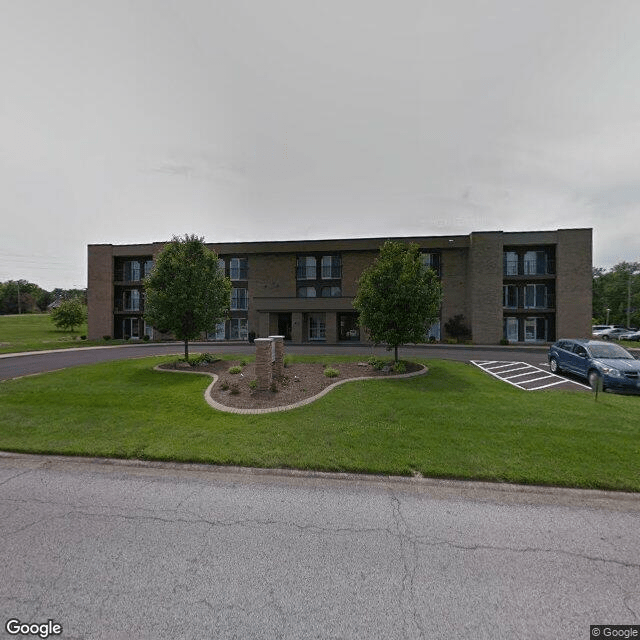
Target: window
[(535, 263), (238, 329), (132, 300), (331, 267), (239, 299), (331, 292), (510, 264), (221, 266), (510, 296), (306, 292), (238, 269), (535, 329), (306, 268), (148, 267), (511, 329), (131, 271), (317, 326), (148, 330), (535, 296), (431, 261), (218, 334)]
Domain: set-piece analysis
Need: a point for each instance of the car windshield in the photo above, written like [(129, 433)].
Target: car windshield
[(609, 351)]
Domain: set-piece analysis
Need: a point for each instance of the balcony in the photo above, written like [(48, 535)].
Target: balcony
[(120, 306)]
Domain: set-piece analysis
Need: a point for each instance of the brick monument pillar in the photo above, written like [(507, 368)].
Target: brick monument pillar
[(264, 367), (278, 356)]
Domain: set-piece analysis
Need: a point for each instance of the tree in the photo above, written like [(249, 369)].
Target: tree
[(398, 297), (187, 292), (70, 314), (617, 291)]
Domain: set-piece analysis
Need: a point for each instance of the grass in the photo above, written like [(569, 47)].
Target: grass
[(35, 332), (455, 422)]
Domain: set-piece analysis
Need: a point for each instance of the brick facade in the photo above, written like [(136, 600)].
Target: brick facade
[(526, 286)]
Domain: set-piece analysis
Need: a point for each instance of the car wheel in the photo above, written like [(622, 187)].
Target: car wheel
[(553, 365), (605, 337), (593, 377)]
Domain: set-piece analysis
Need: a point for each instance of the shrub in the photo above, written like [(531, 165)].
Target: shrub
[(253, 385), (400, 367), (456, 328), (202, 358), (224, 385), (273, 387), (287, 360), (235, 369), (146, 337), (235, 389), (83, 337), (504, 341), (252, 336), (330, 372), (106, 337), (376, 363), (244, 362)]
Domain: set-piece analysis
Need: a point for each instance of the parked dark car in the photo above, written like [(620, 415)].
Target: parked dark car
[(592, 359)]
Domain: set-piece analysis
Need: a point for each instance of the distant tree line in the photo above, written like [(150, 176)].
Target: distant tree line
[(616, 295), (21, 296)]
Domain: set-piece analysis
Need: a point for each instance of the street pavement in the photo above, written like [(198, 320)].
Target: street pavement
[(117, 549)]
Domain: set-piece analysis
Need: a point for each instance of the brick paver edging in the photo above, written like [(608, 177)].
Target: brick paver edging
[(295, 405)]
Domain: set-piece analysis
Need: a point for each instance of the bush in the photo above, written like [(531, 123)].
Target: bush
[(235, 389), (146, 337), (400, 367), (273, 387), (504, 342), (456, 328), (253, 385), (252, 336), (244, 362), (83, 337), (224, 385), (287, 360), (376, 363), (106, 337), (330, 372), (236, 369), (202, 358)]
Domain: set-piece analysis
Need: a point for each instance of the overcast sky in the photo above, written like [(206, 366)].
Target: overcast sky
[(132, 121)]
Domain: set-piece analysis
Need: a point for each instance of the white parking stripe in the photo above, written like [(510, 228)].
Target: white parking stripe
[(503, 370)]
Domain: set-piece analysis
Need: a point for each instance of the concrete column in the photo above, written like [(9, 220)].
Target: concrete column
[(263, 363), (278, 351)]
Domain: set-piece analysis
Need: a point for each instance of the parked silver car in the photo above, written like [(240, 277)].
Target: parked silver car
[(611, 333)]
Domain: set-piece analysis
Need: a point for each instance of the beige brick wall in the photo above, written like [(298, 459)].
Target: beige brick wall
[(454, 285), (100, 291), (574, 268), (485, 287), (353, 264)]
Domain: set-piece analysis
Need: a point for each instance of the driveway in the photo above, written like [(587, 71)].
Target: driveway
[(17, 365)]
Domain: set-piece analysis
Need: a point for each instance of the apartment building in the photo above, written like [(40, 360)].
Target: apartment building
[(528, 287)]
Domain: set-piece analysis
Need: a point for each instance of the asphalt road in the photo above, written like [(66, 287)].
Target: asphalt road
[(13, 366), (129, 550)]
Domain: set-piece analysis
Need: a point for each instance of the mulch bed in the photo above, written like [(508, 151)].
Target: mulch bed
[(300, 381)]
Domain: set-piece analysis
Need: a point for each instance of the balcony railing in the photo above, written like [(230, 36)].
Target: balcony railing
[(529, 268), (120, 306)]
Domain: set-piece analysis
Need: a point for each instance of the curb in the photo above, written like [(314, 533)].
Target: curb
[(221, 407)]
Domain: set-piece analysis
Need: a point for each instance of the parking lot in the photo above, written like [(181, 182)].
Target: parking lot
[(528, 376)]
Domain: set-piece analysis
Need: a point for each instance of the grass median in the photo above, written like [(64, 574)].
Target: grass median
[(454, 422)]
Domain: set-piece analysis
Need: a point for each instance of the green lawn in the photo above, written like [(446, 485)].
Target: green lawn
[(455, 422), (35, 332)]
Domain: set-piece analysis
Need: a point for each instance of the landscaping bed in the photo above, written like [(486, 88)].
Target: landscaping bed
[(301, 380)]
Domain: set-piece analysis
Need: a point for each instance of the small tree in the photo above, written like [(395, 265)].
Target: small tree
[(398, 297), (69, 314), (187, 292)]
